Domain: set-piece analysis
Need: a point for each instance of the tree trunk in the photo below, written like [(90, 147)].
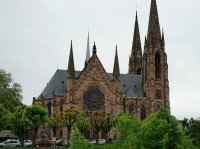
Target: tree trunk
[(22, 140), (69, 131), (54, 132), (35, 134), (97, 136)]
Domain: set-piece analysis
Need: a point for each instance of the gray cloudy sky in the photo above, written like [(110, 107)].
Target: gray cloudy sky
[(35, 39)]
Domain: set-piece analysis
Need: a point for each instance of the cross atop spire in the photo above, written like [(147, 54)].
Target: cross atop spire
[(87, 50), (153, 35), (71, 69)]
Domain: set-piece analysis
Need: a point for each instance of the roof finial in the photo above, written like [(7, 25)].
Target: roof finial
[(94, 49)]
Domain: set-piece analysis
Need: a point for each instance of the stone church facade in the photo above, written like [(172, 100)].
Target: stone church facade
[(141, 91)]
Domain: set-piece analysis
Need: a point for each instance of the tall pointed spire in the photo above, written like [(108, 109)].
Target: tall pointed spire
[(87, 50), (116, 72), (136, 37), (163, 38), (71, 69), (136, 53), (153, 35)]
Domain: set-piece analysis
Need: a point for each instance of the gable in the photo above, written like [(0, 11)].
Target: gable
[(94, 70)]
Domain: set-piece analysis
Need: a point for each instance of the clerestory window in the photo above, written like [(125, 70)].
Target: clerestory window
[(157, 66)]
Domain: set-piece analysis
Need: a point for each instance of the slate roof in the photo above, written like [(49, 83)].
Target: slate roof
[(130, 85)]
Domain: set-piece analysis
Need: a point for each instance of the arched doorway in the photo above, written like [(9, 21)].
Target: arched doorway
[(142, 112)]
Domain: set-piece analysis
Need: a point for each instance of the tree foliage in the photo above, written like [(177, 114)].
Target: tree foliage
[(70, 118), (36, 116), (126, 125), (10, 92), (97, 120), (161, 130), (3, 117), (77, 140), (56, 121), (194, 132), (107, 125), (19, 122), (83, 123)]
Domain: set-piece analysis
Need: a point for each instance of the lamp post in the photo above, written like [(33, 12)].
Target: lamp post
[(124, 102)]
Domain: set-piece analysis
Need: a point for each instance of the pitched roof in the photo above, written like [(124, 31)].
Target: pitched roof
[(130, 85)]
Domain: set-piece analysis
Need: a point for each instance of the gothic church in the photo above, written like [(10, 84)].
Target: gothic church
[(141, 91)]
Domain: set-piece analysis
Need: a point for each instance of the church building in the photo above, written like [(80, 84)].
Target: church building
[(141, 91)]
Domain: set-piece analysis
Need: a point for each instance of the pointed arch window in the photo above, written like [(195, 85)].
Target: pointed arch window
[(131, 109), (158, 94), (49, 109), (157, 65), (145, 67), (139, 71), (142, 112), (61, 105), (158, 107)]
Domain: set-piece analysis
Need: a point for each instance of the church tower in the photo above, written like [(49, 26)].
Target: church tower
[(155, 67), (135, 60)]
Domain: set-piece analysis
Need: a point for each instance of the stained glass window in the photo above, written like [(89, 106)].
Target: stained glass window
[(93, 99)]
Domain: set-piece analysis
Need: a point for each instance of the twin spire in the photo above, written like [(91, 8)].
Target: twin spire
[(153, 34), (135, 61), (153, 39)]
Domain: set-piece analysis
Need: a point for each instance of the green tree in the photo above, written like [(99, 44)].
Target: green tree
[(125, 125), (10, 93), (19, 123), (194, 132), (3, 117), (97, 120), (36, 116), (107, 125), (56, 121), (161, 130), (70, 118), (83, 123), (77, 140)]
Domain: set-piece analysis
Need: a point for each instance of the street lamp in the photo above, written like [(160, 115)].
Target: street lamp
[(124, 102)]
